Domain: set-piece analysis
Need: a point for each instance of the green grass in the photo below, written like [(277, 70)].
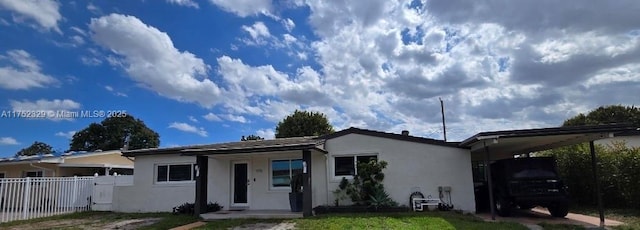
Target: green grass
[(631, 217), (167, 220), (427, 220)]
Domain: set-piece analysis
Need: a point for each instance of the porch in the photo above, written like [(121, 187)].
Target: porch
[(250, 214), (254, 176)]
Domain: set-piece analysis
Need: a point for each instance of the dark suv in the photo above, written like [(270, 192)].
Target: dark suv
[(526, 183)]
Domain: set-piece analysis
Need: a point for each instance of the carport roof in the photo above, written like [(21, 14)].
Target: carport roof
[(510, 142)]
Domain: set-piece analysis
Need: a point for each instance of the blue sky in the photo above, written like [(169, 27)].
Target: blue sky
[(212, 71)]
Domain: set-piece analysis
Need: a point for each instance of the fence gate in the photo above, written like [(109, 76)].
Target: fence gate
[(27, 198), (103, 191)]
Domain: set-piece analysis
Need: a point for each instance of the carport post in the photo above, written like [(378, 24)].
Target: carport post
[(594, 168), (307, 210), (487, 172), (201, 185)]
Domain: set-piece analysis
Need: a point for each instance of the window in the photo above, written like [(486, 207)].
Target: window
[(283, 170), (33, 174), (175, 172), (2, 175), (346, 165)]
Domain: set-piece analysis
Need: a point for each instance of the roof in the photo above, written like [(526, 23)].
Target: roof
[(50, 158), (508, 142), (251, 146), (395, 136)]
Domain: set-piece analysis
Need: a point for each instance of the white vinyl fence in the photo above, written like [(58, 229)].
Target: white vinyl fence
[(27, 198)]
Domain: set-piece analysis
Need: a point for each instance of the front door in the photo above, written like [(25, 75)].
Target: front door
[(239, 188)]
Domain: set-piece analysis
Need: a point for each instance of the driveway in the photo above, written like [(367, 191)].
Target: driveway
[(541, 215)]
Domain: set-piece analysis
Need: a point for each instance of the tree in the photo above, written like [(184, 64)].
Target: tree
[(607, 115), (304, 123), (112, 134), (251, 138), (35, 149)]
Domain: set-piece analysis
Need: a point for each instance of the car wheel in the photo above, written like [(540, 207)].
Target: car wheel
[(560, 209)]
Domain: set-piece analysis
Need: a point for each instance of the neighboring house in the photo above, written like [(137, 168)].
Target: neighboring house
[(255, 174), (68, 164), (630, 139)]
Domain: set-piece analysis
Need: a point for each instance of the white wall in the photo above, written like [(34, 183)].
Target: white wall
[(261, 195), (410, 165), (630, 141), (148, 196)]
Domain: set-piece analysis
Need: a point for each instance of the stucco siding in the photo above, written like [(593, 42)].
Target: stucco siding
[(410, 165), (145, 195), (114, 158), (17, 170)]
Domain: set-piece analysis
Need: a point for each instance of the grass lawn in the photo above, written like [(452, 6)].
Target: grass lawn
[(100, 220), (427, 220)]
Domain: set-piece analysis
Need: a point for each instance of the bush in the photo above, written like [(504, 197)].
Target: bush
[(189, 208), (367, 188), (618, 168)]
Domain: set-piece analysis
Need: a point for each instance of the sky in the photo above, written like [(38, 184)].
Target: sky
[(211, 71)]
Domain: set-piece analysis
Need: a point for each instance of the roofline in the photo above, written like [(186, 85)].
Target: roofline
[(200, 152), (395, 136), (90, 154), (204, 147), (563, 130)]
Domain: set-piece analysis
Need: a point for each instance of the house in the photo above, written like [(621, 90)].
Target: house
[(255, 174), (67, 164), (630, 139)]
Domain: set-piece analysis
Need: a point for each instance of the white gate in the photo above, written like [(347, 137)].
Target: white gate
[(103, 191), (27, 198)]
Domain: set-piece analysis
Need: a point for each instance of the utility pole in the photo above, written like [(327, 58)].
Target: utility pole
[(444, 126)]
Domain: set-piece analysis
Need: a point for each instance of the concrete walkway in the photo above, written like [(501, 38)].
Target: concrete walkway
[(531, 218), (250, 214)]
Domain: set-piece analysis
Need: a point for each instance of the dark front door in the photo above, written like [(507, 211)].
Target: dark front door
[(240, 182)]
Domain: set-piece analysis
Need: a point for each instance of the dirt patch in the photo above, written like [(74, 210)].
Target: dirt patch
[(88, 224), (266, 226)]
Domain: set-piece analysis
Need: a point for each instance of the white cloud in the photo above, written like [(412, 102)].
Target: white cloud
[(56, 109), (90, 61), (8, 141), (24, 72), (44, 12), (68, 135), (188, 128), (176, 75), (187, 3), (267, 134), (244, 8), (110, 89), (193, 119), (258, 32), (235, 118), (94, 9), (288, 24), (211, 117)]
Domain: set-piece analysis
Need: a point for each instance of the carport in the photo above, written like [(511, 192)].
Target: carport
[(489, 146)]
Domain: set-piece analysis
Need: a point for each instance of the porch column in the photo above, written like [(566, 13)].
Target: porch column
[(202, 164), (487, 173), (594, 168), (307, 209)]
